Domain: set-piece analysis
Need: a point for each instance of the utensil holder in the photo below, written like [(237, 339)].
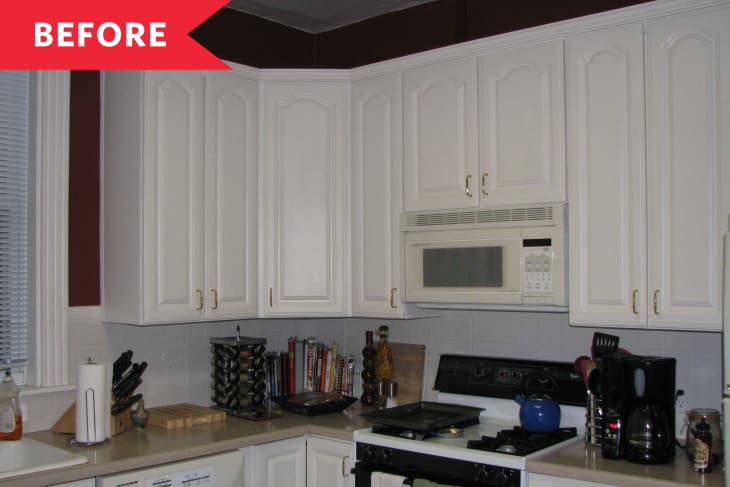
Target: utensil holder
[(594, 419)]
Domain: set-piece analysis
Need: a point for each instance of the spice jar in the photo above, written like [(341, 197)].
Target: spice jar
[(712, 418)]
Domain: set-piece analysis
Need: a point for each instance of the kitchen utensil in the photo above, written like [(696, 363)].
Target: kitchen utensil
[(121, 365), (539, 408), (603, 344), (580, 366), (121, 406)]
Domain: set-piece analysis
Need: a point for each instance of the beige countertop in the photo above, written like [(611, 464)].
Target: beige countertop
[(584, 462), (132, 449)]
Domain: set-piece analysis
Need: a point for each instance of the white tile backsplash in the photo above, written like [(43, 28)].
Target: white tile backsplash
[(179, 362)]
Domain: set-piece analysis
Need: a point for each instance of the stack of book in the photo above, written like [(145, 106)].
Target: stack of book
[(310, 366)]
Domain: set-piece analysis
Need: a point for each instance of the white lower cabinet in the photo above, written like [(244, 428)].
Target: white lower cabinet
[(76, 483), (279, 463), (329, 463), (540, 480), (305, 461)]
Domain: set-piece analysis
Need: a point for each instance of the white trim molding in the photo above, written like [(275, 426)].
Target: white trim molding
[(49, 362)]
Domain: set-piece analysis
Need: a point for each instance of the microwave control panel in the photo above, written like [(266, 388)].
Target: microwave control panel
[(537, 261)]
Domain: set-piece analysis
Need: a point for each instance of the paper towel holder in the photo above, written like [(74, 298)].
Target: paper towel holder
[(89, 394)]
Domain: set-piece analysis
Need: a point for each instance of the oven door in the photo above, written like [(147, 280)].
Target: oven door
[(463, 266)]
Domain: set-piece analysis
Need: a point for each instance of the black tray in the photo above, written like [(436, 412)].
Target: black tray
[(314, 403), (425, 416)]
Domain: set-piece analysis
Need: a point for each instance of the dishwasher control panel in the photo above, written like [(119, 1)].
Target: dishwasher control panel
[(222, 469)]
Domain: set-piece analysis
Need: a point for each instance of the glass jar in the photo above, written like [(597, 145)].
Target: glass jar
[(712, 418)]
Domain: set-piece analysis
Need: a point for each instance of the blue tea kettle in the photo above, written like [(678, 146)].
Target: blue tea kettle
[(539, 408)]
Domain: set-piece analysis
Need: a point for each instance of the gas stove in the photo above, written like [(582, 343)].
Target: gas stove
[(485, 446)]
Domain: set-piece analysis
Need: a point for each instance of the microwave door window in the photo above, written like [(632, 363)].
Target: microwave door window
[(468, 267)]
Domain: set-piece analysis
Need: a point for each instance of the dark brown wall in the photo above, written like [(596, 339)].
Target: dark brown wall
[(83, 203), (253, 41)]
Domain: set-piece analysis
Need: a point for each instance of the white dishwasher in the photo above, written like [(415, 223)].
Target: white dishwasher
[(219, 470)]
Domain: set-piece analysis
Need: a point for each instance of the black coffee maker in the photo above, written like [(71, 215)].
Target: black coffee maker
[(638, 396)]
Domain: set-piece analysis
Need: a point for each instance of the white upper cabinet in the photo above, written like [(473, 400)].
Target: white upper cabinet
[(604, 76), (173, 176), (179, 196), (440, 144), (521, 126), (306, 180), (659, 263), (231, 154), (377, 196), (688, 165)]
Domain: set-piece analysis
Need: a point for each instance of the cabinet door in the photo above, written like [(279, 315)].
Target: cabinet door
[(173, 196), (305, 177), (522, 125), (280, 463), (688, 160), (377, 196), (440, 120), (230, 195), (605, 134), (329, 463)]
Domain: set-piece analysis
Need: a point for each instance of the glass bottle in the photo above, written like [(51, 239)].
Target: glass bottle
[(384, 357), (11, 423), (368, 397)]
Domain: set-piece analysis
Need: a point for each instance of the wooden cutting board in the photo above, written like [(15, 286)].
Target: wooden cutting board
[(408, 364), (183, 415)]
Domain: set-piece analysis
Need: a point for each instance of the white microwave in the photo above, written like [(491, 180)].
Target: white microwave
[(499, 257)]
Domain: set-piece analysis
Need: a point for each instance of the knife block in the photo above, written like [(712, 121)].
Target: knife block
[(67, 422)]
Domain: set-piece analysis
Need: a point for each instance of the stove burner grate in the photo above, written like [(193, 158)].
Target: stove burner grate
[(518, 441)]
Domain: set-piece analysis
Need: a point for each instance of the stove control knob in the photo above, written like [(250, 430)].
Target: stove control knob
[(382, 456), (368, 454), (482, 475), (501, 479)]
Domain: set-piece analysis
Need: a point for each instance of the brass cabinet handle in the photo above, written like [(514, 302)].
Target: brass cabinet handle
[(392, 297), (215, 299), (656, 302), (345, 472), (200, 299), (271, 297), (468, 191), (484, 184), (633, 301)]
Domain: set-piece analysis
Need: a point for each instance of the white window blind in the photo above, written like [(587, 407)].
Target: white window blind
[(14, 170)]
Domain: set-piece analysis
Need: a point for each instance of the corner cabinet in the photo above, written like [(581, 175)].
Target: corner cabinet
[(655, 264), (179, 159), (304, 461), (377, 196), (305, 168)]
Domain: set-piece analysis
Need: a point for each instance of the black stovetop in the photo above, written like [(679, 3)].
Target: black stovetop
[(518, 441)]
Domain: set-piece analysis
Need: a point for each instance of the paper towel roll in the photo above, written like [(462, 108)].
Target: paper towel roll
[(92, 403)]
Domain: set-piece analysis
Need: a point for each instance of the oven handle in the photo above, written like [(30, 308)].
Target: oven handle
[(354, 471)]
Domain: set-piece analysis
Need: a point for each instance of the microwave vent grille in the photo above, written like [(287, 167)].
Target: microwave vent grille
[(496, 215)]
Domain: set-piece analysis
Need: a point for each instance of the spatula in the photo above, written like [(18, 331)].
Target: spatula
[(603, 344)]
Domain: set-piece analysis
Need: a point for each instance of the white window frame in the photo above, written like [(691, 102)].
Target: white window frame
[(48, 350)]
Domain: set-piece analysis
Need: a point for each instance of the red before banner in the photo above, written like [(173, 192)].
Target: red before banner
[(93, 34)]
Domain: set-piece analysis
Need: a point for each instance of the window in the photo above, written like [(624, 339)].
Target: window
[(14, 223), (40, 345)]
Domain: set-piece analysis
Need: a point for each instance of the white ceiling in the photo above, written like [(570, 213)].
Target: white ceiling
[(320, 15)]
